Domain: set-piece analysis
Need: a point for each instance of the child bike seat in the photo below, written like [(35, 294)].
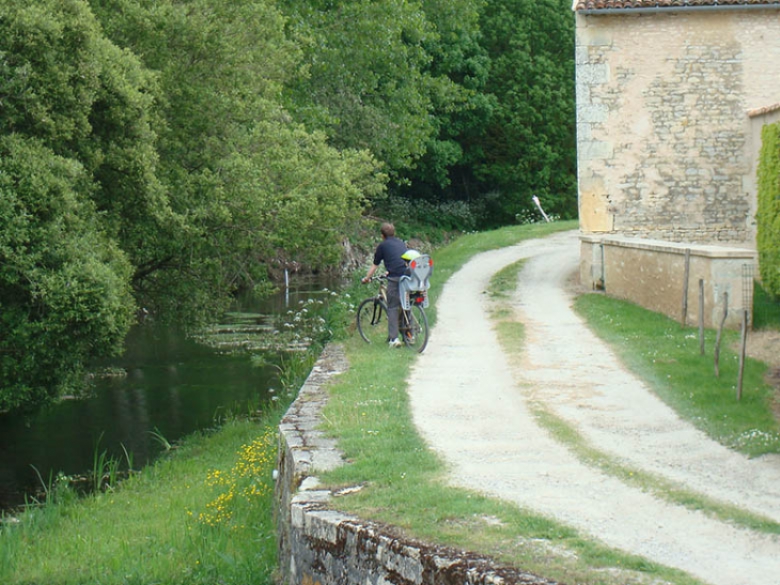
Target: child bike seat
[(417, 280)]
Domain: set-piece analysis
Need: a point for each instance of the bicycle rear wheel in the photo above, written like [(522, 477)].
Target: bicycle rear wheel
[(414, 328), (372, 320)]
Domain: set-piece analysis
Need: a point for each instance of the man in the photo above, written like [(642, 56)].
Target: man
[(389, 252)]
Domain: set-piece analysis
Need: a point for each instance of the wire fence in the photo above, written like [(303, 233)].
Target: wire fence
[(748, 289)]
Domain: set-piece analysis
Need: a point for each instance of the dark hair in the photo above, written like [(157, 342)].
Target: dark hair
[(387, 230)]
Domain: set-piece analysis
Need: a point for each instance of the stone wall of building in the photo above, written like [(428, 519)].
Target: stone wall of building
[(666, 146), (319, 545)]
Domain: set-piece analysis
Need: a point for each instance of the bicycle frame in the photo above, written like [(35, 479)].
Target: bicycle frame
[(413, 324)]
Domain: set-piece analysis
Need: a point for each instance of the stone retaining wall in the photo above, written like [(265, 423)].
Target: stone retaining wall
[(651, 273), (318, 545)]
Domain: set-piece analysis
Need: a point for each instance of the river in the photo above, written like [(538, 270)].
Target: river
[(172, 385)]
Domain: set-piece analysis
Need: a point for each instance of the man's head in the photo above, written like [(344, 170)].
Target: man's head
[(387, 230)]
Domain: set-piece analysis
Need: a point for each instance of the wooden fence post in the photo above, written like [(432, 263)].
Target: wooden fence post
[(685, 286), (701, 316), (720, 333), (743, 346)]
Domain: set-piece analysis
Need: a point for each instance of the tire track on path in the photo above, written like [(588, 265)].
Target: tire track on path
[(468, 405)]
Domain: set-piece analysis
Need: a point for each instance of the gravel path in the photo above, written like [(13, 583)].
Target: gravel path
[(473, 407)]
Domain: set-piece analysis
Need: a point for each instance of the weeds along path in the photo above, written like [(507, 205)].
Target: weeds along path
[(476, 406)]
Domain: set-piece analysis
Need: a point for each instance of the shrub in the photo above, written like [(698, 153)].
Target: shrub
[(428, 220), (768, 215)]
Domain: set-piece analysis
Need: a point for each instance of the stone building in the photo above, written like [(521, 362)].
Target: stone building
[(671, 98)]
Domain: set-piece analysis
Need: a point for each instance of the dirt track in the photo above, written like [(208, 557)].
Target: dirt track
[(475, 410)]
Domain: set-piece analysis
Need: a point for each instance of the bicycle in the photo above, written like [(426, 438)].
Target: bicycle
[(413, 324)]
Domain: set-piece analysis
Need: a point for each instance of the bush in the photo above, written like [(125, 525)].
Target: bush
[(768, 215), (427, 220), (766, 309)]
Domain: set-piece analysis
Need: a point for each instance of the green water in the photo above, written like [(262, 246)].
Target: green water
[(172, 386)]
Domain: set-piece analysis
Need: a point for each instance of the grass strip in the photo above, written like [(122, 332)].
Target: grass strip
[(667, 357), (660, 487), (501, 287)]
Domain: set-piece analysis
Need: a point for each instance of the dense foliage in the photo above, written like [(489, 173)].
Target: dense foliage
[(528, 145), (159, 155), (76, 184), (768, 215), (247, 184), (366, 83), (513, 136), (468, 103)]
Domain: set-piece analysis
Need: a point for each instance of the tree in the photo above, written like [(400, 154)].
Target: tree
[(366, 84), (65, 296), (503, 122), (528, 146), (459, 68), (248, 185), (155, 154), (85, 99), (768, 214), (76, 173)]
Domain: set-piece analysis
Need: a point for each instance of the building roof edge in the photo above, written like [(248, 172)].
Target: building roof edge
[(765, 110), (595, 7)]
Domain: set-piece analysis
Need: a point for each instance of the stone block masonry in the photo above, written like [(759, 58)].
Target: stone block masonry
[(666, 147), (319, 545), (651, 273)]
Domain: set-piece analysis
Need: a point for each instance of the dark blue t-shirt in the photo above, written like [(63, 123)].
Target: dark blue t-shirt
[(390, 251)]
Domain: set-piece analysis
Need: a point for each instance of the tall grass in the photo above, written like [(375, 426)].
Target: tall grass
[(203, 511)]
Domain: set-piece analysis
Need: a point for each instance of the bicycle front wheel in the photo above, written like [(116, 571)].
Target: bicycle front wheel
[(372, 320), (414, 328)]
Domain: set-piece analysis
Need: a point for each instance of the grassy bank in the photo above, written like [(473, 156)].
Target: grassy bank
[(403, 482), (669, 358), (186, 519), (203, 513)]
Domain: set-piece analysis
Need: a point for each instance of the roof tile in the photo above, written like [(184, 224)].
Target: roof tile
[(628, 5)]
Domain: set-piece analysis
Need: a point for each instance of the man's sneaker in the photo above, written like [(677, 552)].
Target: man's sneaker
[(395, 343)]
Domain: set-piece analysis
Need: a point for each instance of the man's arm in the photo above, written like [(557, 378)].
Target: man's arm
[(370, 273)]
